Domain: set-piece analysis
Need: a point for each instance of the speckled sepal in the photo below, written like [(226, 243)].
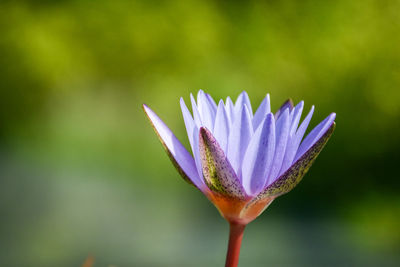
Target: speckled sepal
[(294, 174), (217, 171)]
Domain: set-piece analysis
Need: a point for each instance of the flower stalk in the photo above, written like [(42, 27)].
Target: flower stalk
[(235, 241)]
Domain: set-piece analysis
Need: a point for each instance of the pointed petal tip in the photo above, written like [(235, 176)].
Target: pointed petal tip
[(199, 93), (151, 115), (331, 117), (147, 110), (269, 116), (311, 110), (287, 110)]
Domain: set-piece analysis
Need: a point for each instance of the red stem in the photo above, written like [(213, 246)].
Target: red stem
[(235, 241)]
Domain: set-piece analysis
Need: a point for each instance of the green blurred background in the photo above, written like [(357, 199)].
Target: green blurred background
[(81, 171)]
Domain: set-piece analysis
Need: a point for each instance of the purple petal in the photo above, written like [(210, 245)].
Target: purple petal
[(296, 117), (212, 102), (178, 154), (296, 172), (259, 156), (230, 110), (282, 133), (196, 153), (243, 99), (261, 112), (239, 137), (206, 110), (189, 122), (193, 135), (287, 104), (196, 114), (218, 173), (294, 142), (221, 127), (314, 135)]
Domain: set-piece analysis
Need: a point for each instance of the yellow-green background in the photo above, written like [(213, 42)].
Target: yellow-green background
[(81, 171)]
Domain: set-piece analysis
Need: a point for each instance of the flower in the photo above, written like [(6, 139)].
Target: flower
[(242, 160)]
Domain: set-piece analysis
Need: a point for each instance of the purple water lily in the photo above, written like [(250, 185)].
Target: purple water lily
[(243, 160)]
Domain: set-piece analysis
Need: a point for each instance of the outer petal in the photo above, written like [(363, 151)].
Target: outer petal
[(178, 154), (261, 112), (221, 127), (259, 156), (218, 172), (314, 135), (239, 137), (287, 104), (295, 173)]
